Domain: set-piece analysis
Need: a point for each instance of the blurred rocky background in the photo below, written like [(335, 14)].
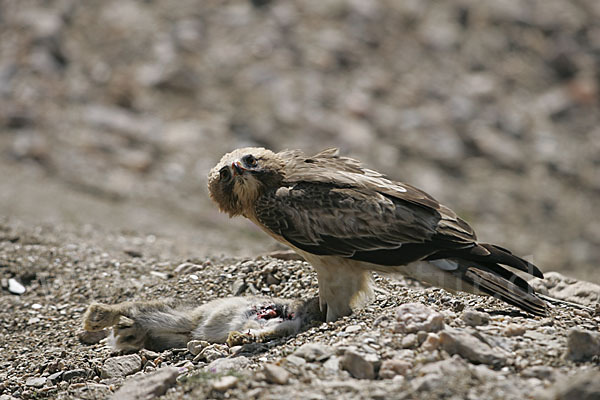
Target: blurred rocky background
[(113, 111)]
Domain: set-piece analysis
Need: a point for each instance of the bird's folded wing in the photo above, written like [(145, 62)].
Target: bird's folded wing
[(384, 227)]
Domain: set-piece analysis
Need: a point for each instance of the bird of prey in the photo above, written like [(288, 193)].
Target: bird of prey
[(347, 220)]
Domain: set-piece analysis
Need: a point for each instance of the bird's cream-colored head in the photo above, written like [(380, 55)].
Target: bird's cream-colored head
[(241, 176)]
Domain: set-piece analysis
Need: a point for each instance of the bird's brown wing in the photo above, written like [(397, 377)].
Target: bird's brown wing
[(384, 227)]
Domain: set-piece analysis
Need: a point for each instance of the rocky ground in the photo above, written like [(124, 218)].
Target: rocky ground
[(113, 111), (409, 342)]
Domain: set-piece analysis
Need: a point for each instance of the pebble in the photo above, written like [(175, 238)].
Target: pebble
[(15, 287), (276, 374), (582, 345), (225, 383), (475, 318), (196, 346), (514, 330), (409, 341), (539, 371), (414, 317), (74, 373), (314, 352), (583, 386), (37, 382), (223, 365), (55, 377), (357, 366), (431, 343), (353, 329), (461, 342), (295, 360), (391, 368), (212, 352), (117, 367), (147, 386)]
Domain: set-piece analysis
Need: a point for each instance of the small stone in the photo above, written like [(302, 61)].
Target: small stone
[(238, 287), (456, 341), (196, 346), (296, 361), (414, 317), (352, 329), (121, 366), (225, 383), (391, 368), (357, 366), (475, 318), (276, 374), (514, 330), (540, 372), (159, 274), (212, 352), (582, 345), (147, 386), (74, 373), (37, 382), (431, 343), (149, 354), (314, 352), (583, 386), (223, 365), (87, 337), (409, 341), (15, 287), (55, 377)]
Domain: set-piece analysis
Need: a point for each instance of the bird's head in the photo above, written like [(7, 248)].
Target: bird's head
[(241, 176)]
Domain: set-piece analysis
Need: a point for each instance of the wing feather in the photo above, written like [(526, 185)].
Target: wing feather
[(355, 222)]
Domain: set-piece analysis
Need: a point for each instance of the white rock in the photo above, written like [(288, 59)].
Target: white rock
[(582, 345), (36, 382), (391, 368), (147, 386), (15, 287), (314, 352), (225, 383), (461, 342), (358, 366), (276, 374), (475, 318), (116, 367), (196, 346), (414, 317), (222, 365)]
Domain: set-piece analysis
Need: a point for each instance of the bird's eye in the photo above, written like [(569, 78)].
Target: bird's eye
[(224, 174), (250, 161)]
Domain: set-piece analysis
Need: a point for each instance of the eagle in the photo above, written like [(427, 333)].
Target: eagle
[(347, 220)]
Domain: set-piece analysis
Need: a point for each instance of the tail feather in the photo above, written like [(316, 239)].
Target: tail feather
[(514, 291), (485, 253)]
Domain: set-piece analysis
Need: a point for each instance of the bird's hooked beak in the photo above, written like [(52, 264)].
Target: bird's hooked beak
[(237, 168)]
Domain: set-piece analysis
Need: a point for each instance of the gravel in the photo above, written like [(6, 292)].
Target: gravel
[(69, 268), (112, 113)]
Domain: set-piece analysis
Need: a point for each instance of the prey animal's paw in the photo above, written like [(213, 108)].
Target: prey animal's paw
[(99, 316), (236, 338)]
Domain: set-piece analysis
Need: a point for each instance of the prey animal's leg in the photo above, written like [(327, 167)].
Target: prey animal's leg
[(99, 316)]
